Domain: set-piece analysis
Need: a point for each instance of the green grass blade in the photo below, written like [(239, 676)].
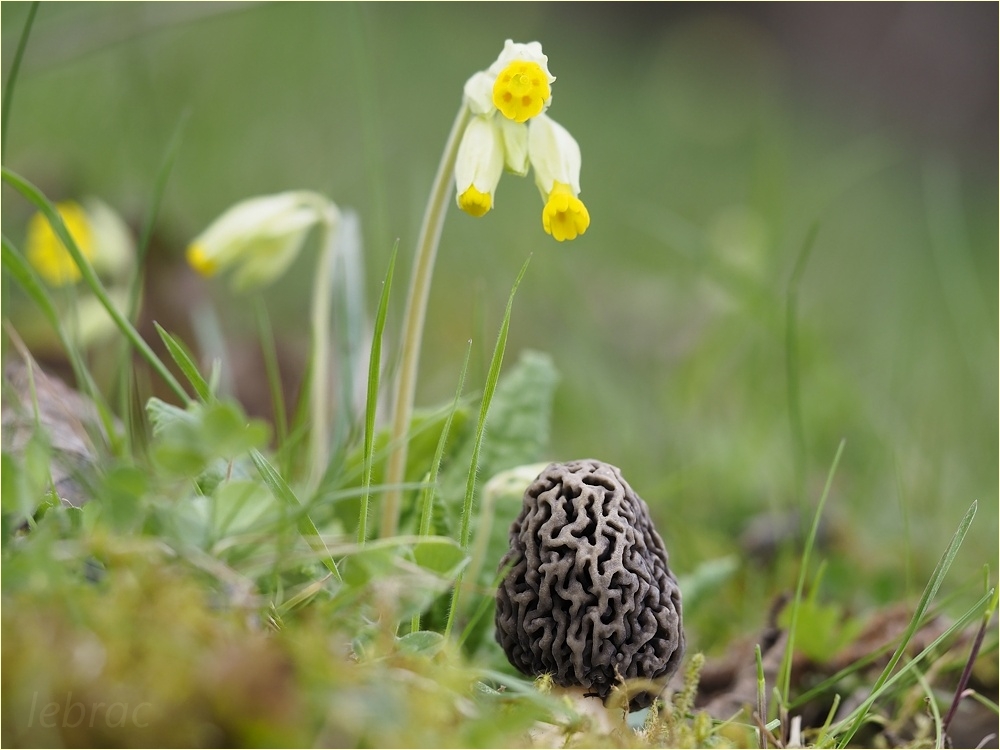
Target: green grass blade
[(929, 593), (156, 199), (124, 383), (265, 334), (11, 83), (785, 678), (428, 492), (427, 496), (283, 492), (35, 196), (491, 383), (184, 360), (761, 694), (857, 717), (374, 373), (983, 700)]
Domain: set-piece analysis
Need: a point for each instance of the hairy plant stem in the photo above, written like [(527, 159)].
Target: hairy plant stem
[(322, 299), (413, 321)]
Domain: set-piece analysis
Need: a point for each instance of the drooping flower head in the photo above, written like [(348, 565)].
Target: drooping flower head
[(259, 237), (509, 129)]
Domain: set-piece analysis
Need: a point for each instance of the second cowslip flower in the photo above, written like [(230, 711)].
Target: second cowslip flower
[(509, 129)]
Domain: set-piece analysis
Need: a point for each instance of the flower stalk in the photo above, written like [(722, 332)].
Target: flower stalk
[(322, 298), (416, 309), (500, 125)]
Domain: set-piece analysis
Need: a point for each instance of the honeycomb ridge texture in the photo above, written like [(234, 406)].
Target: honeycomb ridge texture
[(590, 598)]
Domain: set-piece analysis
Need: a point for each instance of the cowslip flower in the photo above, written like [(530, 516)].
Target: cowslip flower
[(47, 253), (555, 157), (258, 238), (99, 233), (509, 129)]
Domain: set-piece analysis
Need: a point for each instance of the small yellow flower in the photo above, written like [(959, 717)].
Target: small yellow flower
[(47, 253), (478, 166), (522, 81), (521, 90), (555, 157), (564, 216)]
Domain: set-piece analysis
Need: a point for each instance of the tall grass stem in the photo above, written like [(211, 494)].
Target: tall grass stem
[(11, 83), (430, 487), (371, 405), (484, 408)]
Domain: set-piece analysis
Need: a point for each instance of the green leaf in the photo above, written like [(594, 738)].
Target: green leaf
[(185, 361), (228, 431), (424, 642), (185, 441), (122, 495), (163, 415), (240, 506), (707, 578), (440, 555), (823, 629)]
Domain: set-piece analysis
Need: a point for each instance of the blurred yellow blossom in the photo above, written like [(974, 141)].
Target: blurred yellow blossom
[(259, 237), (99, 232), (47, 253)]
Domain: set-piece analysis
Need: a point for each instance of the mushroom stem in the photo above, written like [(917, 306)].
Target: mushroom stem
[(602, 719), (599, 720)]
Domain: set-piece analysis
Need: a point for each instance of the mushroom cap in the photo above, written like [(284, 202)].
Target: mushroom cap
[(589, 597)]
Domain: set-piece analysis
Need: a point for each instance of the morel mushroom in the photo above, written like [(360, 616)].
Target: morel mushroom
[(589, 598)]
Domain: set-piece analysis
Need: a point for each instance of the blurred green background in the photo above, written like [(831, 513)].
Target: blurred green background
[(713, 137)]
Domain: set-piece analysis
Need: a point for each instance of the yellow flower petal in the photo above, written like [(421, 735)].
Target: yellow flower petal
[(521, 90), (198, 259), (46, 252), (475, 203), (564, 216)]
